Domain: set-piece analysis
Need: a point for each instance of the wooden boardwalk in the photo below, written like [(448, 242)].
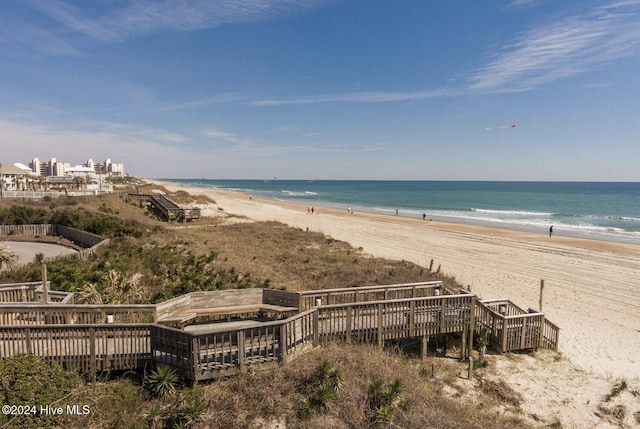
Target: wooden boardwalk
[(95, 338), (169, 210)]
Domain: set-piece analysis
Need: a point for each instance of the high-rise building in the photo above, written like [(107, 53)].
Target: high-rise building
[(52, 167), (35, 165)]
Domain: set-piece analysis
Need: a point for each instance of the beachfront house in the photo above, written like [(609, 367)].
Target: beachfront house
[(12, 178)]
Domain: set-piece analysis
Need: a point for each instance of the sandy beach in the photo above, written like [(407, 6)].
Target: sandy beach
[(592, 288)]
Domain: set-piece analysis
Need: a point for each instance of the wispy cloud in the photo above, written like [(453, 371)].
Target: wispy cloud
[(354, 97), (519, 4), (566, 47), (118, 21)]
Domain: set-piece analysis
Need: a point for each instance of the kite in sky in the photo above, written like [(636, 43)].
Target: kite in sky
[(501, 128)]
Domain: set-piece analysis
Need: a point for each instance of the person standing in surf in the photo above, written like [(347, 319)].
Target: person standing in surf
[(550, 230)]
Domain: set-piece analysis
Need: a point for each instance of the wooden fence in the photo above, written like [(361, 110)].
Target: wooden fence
[(90, 242), (28, 230)]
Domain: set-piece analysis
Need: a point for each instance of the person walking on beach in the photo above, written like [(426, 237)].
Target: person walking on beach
[(550, 230)]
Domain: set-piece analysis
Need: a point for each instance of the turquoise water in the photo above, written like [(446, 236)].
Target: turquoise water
[(602, 210)]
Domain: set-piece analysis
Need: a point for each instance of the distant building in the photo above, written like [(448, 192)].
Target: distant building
[(80, 171), (39, 168), (55, 168), (24, 168), (12, 178)]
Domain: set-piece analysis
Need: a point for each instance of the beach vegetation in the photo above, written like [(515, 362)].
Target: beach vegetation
[(22, 215), (616, 390), (27, 381), (163, 380), (7, 258)]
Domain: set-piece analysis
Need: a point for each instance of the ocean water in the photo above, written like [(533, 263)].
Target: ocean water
[(601, 210)]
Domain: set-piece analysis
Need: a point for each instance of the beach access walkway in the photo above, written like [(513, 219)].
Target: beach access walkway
[(211, 334), (166, 208)]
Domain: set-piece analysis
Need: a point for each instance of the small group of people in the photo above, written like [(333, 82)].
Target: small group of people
[(311, 210)]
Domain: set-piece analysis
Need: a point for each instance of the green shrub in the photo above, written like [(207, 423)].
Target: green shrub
[(163, 380), (22, 215), (26, 380)]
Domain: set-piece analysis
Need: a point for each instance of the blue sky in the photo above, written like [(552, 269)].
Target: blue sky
[(301, 89)]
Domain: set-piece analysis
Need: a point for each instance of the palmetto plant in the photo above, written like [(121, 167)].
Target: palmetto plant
[(382, 399), (392, 392), (163, 380), (322, 387), (193, 411)]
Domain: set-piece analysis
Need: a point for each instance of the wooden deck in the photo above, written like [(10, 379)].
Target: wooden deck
[(95, 338)]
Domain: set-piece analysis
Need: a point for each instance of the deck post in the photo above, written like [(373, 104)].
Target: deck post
[(92, 354), (503, 346), (541, 293), (194, 345), (424, 347), (45, 285), (316, 327), (241, 350), (380, 330), (283, 343), (463, 349), (472, 324), (412, 318), (541, 333), (28, 340), (348, 322), (443, 310)]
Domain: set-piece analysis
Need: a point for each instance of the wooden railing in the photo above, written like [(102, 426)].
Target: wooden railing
[(74, 314), (31, 292), (92, 338), (508, 327), (19, 292), (550, 336), (311, 298), (85, 348), (381, 320), (210, 354)]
